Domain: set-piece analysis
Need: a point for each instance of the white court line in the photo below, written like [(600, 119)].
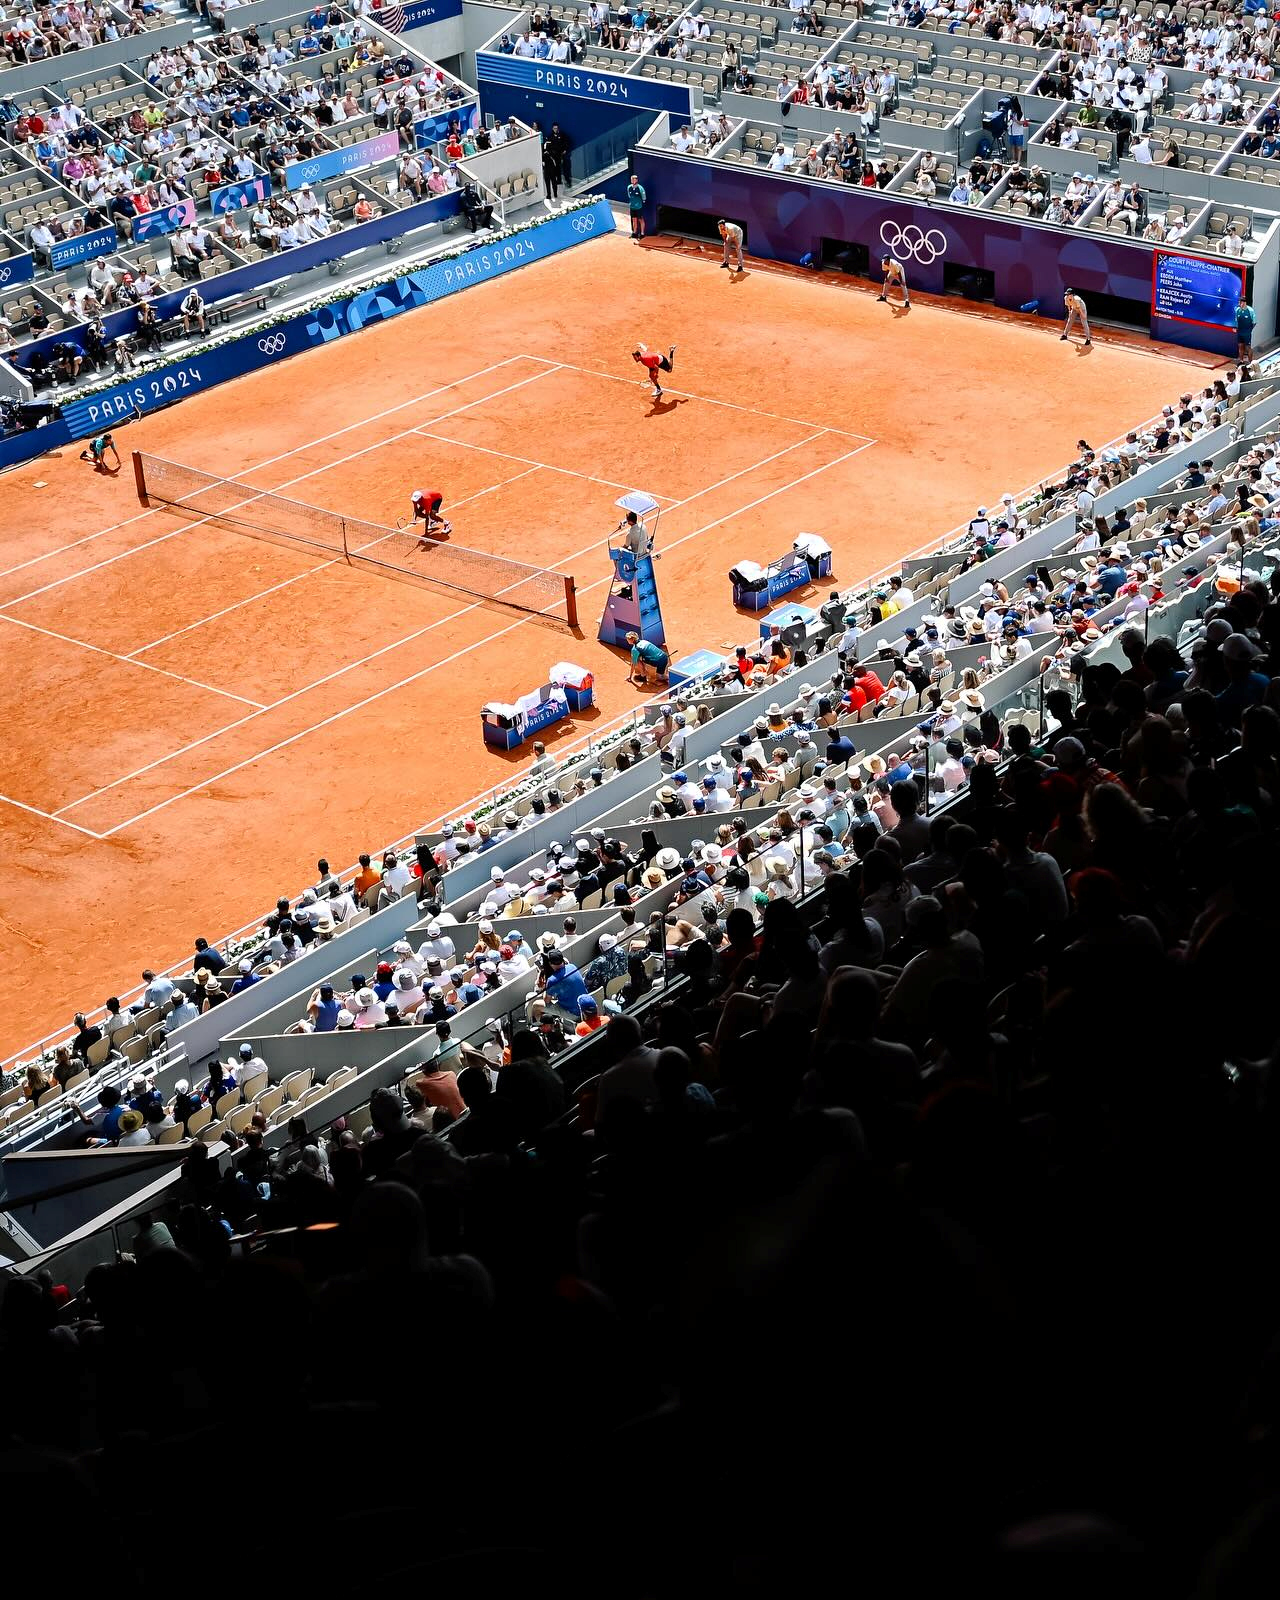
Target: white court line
[(743, 471), (284, 583), (48, 816), (444, 438), (501, 633), (270, 461), (306, 688), (288, 483), (146, 666), (751, 505), (751, 411)]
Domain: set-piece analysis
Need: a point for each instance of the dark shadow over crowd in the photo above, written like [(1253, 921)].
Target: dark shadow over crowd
[(921, 1236)]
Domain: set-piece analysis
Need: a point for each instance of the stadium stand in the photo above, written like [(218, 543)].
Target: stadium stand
[(926, 988), (182, 127), (1101, 127)]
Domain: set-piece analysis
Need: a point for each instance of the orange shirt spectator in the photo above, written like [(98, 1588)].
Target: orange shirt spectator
[(367, 878), (869, 683), (440, 1088), (592, 1021)]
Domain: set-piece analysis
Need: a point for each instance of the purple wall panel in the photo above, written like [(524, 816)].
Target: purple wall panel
[(787, 218)]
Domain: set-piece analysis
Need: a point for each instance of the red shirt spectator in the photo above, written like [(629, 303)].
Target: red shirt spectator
[(869, 683)]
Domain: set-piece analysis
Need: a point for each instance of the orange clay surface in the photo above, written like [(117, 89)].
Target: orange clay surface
[(197, 714)]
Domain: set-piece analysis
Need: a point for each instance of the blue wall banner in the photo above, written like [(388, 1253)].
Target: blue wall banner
[(83, 247), (232, 196), (613, 88), (241, 281), (161, 386), (15, 448), (17, 269), (167, 220), (430, 130), (349, 157), (415, 14), (787, 218)]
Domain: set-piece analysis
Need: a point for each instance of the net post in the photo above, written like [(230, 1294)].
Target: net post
[(346, 553), (571, 601), (140, 477)]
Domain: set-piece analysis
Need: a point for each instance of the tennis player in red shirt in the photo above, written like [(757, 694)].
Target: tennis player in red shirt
[(654, 364), (426, 505)]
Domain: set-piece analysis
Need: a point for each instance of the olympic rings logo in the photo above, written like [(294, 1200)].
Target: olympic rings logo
[(584, 223), (912, 243), (272, 345)]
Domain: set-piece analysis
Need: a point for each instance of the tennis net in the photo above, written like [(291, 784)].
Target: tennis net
[(395, 552)]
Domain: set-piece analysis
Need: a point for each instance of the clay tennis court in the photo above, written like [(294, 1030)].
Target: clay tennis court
[(199, 713)]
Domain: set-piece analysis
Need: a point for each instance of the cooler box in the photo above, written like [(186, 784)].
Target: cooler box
[(787, 617), (692, 669)]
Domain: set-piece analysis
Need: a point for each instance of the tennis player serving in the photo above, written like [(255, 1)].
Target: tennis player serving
[(653, 363)]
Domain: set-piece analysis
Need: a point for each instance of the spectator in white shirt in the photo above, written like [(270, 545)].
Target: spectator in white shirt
[(395, 875), (512, 963), (437, 945), (133, 1130), (717, 799), (409, 993), (501, 892), (115, 1020)]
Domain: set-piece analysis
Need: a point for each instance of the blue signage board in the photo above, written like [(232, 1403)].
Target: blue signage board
[(161, 386), (1196, 289), (17, 269), (83, 247), (347, 158), (233, 196), (167, 220), (544, 714), (581, 83), (429, 131), (416, 14)]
